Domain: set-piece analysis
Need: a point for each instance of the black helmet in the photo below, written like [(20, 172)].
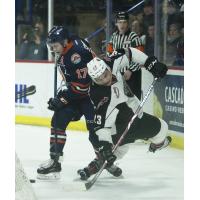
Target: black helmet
[(57, 34), (122, 16)]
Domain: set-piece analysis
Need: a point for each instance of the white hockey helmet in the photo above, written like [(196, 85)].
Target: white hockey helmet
[(96, 67)]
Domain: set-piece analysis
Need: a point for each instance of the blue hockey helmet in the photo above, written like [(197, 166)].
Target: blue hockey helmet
[(57, 34)]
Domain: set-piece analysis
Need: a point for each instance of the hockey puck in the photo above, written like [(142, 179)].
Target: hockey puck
[(32, 180)]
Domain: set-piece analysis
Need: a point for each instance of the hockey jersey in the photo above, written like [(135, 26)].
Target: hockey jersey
[(108, 99), (73, 68)]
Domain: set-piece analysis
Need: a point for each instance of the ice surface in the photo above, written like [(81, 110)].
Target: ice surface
[(146, 176)]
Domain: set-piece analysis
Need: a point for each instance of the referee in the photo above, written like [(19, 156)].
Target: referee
[(124, 38)]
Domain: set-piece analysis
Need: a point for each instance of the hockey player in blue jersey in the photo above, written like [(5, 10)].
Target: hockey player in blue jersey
[(71, 103)]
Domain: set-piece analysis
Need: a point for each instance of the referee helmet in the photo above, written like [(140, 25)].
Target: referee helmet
[(122, 16)]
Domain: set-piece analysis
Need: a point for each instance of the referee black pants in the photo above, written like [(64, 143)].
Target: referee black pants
[(135, 83)]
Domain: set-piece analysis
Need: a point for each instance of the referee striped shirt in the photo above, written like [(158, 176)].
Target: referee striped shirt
[(128, 39)]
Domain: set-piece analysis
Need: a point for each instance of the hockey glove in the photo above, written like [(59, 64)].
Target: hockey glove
[(106, 153), (56, 103), (158, 69), (62, 94)]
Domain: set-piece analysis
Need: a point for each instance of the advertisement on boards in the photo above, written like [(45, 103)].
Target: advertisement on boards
[(169, 100)]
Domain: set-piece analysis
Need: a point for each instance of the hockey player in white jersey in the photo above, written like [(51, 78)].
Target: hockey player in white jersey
[(114, 109)]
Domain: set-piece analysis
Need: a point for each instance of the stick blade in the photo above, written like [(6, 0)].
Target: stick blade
[(88, 185)]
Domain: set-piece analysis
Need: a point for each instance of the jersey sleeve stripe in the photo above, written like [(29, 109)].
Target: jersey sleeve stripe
[(80, 88)]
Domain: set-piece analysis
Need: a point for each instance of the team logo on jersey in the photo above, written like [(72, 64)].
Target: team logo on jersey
[(75, 58), (102, 101)]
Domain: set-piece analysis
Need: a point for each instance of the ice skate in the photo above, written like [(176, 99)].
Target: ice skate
[(49, 170), (95, 166), (114, 170), (154, 147), (91, 169)]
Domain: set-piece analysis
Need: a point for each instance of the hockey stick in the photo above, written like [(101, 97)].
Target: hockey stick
[(26, 92), (135, 6), (94, 33), (102, 28), (57, 57), (90, 183)]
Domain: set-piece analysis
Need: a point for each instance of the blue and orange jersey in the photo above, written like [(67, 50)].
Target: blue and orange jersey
[(73, 68)]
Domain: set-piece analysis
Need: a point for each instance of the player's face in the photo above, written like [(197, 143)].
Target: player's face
[(56, 47), (105, 78), (122, 26)]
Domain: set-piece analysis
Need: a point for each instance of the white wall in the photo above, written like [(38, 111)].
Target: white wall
[(42, 76)]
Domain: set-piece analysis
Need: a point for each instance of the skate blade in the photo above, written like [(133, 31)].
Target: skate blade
[(49, 177)]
